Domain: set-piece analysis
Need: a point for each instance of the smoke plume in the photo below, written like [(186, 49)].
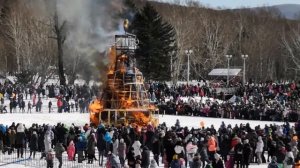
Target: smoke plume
[(90, 27)]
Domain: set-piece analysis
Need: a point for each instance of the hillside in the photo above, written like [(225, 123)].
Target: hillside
[(214, 33), (289, 11)]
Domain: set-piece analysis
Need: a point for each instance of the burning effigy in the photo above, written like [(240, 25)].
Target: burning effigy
[(124, 98)]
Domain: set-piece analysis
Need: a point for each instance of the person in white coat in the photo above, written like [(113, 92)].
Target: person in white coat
[(137, 148), (179, 149), (289, 159), (259, 149), (115, 147), (48, 137)]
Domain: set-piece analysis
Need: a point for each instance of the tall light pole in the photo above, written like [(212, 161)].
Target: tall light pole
[(244, 57), (228, 61), (188, 53), (171, 65)]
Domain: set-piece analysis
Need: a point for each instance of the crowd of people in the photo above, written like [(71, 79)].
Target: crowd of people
[(148, 147), (263, 101), (68, 98)]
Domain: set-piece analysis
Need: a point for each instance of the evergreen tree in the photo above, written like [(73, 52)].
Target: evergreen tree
[(156, 43)]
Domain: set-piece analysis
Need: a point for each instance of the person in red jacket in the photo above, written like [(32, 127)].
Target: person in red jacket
[(212, 147)]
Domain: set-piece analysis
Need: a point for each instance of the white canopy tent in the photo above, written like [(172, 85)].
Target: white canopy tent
[(224, 72)]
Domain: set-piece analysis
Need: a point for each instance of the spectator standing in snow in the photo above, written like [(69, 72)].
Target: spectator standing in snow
[(50, 106), (259, 149), (29, 106)]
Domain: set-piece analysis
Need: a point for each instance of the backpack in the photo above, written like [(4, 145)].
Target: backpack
[(290, 161)]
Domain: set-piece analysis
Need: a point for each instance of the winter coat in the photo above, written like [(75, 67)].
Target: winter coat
[(91, 145), (196, 162), (273, 165), (219, 164), (156, 147), (234, 141), (131, 159), (33, 144), (247, 150), (145, 157), (122, 149), (101, 143), (175, 164), (115, 161), (59, 149), (169, 150), (259, 146), (179, 150), (280, 154), (191, 150), (212, 144), (81, 144), (20, 136), (115, 146), (12, 138), (203, 154), (153, 164), (71, 149), (285, 161), (238, 151), (137, 148), (48, 137)]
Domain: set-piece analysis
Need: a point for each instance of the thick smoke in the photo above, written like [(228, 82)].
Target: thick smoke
[(91, 23), (90, 27)]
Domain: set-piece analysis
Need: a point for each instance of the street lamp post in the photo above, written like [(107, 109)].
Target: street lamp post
[(188, 53), (244, 57), (171, 65), (228, 61)]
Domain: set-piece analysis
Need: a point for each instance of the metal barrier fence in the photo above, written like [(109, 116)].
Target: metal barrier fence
[(10, 157)]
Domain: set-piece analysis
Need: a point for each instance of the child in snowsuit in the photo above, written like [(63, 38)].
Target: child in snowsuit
[(71, 151)]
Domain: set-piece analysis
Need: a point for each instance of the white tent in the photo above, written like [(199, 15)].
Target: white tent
[(224, 72)]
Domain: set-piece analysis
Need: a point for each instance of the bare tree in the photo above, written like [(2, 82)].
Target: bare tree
[(60, 36)]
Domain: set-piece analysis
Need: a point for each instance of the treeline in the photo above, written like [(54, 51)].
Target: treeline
[(29, 40), (41, 39), (271, 41)]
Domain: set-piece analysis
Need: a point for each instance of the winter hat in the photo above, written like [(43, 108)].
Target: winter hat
[(274, 158), (259, 138), (20, 128), (217, 156)]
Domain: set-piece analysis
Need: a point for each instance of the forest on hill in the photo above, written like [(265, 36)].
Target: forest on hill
[(271, 41), (30, 34)]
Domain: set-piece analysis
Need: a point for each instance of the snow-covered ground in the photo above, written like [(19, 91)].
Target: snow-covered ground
[(82, 118)]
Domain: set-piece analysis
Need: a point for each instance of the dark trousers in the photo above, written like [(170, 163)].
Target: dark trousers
[(80, 156), (32, 152), (20, 151), (156, 158), (49, 163), (60, 161), (101, 155)]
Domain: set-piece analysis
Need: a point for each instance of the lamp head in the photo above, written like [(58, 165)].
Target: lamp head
[(188, 51)]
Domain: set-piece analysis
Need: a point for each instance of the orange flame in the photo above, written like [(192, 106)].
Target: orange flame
[(95, 108)]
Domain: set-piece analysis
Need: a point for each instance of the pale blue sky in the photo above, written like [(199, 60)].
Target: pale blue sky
[(240, 3)]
